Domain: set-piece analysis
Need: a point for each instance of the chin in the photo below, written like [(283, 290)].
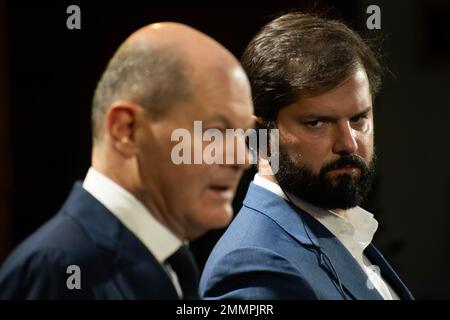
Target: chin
[(217, 216)]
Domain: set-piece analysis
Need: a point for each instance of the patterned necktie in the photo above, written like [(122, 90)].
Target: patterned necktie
[(184, 265)]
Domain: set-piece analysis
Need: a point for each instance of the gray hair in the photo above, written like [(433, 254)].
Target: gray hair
[(154, 78)]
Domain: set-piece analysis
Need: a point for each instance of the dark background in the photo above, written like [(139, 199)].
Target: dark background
[(48, 74)]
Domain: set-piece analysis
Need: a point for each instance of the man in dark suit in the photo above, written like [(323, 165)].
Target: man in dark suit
[(300, 233), (123, 232)]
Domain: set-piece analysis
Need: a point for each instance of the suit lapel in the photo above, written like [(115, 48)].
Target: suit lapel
[(340, 263), (137, 272), (140, 275), (388, 273)]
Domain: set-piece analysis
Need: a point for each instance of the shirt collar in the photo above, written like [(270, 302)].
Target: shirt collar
[(355, 231), (269, 185), (156, 237)]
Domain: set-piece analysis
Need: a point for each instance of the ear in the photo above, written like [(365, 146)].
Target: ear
[(263, 153), (121, 120)]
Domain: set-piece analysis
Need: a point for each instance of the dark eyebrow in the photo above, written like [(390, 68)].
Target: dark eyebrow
[(362, 113), (321, 118), (317, 117)]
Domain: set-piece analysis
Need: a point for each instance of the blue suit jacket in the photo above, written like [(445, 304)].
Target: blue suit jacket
[(114, 264), (273, 251)]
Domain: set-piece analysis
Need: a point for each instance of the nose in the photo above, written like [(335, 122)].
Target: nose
[(345, 142)]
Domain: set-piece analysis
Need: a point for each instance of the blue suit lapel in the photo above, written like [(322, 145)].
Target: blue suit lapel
[(340, 263), (134, 264), (388, 273), (308, 231), (139, 275), (280, 211)]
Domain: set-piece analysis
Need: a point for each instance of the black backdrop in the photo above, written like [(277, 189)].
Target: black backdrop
[(52, 76)]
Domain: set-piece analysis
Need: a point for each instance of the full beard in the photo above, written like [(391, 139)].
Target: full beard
[(341, 191)]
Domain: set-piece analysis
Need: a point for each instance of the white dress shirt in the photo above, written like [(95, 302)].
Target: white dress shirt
[(355, 231), (157, 238)]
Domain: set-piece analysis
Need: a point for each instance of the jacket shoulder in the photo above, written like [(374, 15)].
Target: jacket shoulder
[(38, 267), (254, 273)]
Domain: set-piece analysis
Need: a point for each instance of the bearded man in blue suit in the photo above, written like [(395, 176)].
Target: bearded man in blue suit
[(300, 233)]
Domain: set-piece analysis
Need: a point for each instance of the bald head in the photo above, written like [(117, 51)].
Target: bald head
[(157, 67)]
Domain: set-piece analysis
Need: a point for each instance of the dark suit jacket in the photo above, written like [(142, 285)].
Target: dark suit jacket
[(114, 264), (273, 251)]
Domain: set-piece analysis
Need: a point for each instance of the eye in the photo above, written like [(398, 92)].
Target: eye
[(359, 119), (314, 124)]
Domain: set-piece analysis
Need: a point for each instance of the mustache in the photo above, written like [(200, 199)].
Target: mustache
[(345, 161)]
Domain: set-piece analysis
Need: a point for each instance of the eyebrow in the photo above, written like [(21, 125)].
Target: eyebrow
[(329, 118), (364, 112)]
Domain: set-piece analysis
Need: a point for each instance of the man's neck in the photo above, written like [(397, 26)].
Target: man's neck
[(340, 212), (264, 166)]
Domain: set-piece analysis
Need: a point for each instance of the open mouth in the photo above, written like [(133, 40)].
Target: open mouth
[(221, 191)]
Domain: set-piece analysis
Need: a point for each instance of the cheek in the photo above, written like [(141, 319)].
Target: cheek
[(204, 212), (365, 145), (315, 158), (196, 180), (312, 153), (367, 135), (191, 177)]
